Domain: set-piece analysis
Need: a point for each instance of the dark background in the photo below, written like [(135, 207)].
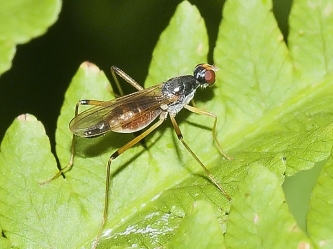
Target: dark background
[(105, 32)]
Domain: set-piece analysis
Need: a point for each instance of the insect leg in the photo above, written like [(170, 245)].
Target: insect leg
[(210, 176), (69, 166), (115, 70), (114, 156), (209, 114)]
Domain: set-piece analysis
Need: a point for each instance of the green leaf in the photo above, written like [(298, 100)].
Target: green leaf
[(185, 40), (135, 174), (199, 229), (266, 109), (22, 20), (320, 213), (311, 41), (294, 117), (259, 216), (32, 215), (268, 115)]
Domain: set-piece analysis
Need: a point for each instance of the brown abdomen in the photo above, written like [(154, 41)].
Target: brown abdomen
[(132, 119)]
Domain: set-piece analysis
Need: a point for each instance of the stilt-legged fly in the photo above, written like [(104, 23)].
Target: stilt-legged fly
[(134, 112)]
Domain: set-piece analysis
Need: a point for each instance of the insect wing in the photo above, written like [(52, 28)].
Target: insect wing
[(118, 113)]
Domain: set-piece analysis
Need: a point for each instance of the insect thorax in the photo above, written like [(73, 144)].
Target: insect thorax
[(183, 88)]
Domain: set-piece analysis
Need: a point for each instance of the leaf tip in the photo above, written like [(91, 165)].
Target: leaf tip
[(89, 66), (26, 117)]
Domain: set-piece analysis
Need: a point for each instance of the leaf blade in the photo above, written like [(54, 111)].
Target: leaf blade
[(251, 223), (321, 209), (311, 41), (23, 20)]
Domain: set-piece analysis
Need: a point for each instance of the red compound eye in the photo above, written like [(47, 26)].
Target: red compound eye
[(210, 76)]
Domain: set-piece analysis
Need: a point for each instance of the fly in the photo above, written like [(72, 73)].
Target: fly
[(136, 111)]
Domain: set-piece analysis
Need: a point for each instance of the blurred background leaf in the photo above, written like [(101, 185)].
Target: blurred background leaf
[(21, 21)]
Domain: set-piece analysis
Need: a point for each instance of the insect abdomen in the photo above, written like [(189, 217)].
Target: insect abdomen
[(130, 121)]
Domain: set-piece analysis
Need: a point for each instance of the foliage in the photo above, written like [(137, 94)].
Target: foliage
[(22, 20), (274, 106)]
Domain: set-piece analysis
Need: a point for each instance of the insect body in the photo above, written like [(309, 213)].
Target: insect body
[(136, 111)]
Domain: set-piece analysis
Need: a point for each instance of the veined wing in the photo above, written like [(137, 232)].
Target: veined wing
[(125, 114)]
